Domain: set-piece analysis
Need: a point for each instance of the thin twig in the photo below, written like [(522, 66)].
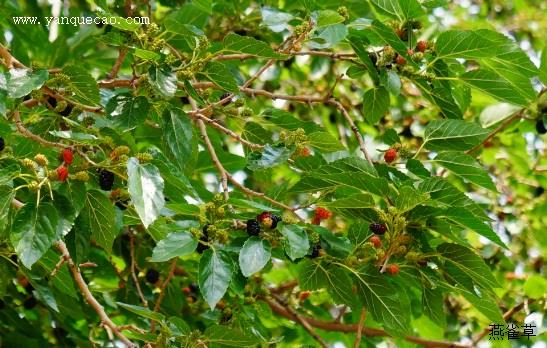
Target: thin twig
[(157, 305), (506, 316), (88, 296), (371, 332), (117, 64), (133, 267), (353, 127), (360, 328), (302, 322), (500, 128)]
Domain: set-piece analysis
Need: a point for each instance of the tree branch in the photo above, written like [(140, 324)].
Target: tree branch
[(507, 315), (157, 305), (360, 328), (371, 332), (88, 296), (353, 127), (133, 267), (302, 322)]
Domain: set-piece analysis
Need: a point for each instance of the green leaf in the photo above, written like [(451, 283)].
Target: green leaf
[(142, 311), (271, 156), (466, 219), (204, 5), (220, 75), (146, 55), (163, 80), (432, 303), (317, 275), (178, 135), (466, 267), (249, 45), (543, 66), (6, 196), (375, 104), (325, 142), (325, 18), (20, 82), (465, 44), (122, 24), (348, 172), (83, 85), (333, 244), (409, 198), (359, 46), (128, 112), (174, 245), (449, 196), (387, 35), (465, 167), (33, 232), (98, 216), (254, 255), (392, 82), (359, 232), (225, 336), (417, 168), (354, 201), (400, 9), (296, 241), (81, 138), (215, 273), (145, 186), (512, 89), (380, 299), (441, 96), (535, 286), (453, 135), (483, 303)]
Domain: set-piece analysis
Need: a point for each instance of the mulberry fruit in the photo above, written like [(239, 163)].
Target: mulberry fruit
[(378, 228), (68, 156), (152, 276), (376, 241), (393, 269), (30, 302), (540, 127), (275, 220), (106, 180), (421, 46), (253, 228), (390, 155), (62, 173), (316, 249), (2, 144)]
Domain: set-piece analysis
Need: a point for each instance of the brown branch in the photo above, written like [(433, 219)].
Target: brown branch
[(228, 131), (58, 266), (133, 267), (360, 328), (506, 316), (8, 60), (162, 291), (353, 127), (302, 321), (28, 134), (212, 153), (500, 128), (88, 296), (118, 63), (371, 332)]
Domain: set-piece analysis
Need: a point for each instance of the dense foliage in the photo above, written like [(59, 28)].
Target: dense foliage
[(284, 173)]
